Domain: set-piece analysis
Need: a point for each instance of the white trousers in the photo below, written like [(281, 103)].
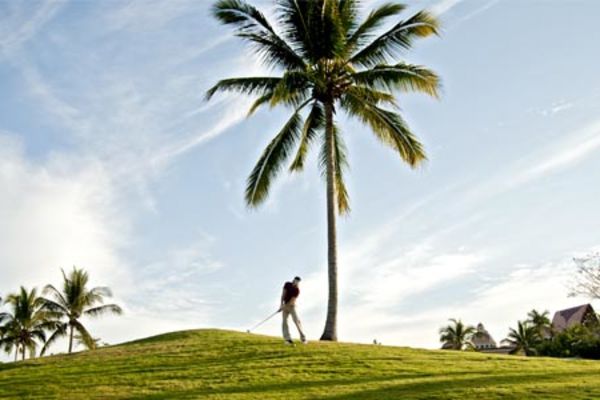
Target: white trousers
[(286, 311)]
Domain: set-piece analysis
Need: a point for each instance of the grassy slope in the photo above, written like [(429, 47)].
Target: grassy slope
[(212, 364)]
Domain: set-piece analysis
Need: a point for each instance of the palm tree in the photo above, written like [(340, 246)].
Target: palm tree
[(23, 327), (74, 302), (456, 336), (329, 61), (540, 321), (524, 339)]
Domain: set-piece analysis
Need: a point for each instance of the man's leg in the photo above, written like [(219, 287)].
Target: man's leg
[(298, 323), (285, 313)]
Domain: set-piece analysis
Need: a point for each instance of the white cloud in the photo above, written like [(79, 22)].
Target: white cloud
[(571, 149), (177, 283), (476, 11), (53, 218), (443, 6), (566, 153), (234, 112), (20, 25), (149, 14)]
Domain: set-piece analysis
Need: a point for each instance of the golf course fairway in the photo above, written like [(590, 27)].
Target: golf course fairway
[(216, 364)]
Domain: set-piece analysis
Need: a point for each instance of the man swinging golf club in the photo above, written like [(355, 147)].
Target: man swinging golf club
[(290, 293)]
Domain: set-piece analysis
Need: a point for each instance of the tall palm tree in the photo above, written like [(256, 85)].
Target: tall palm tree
[(24, 325), (73, 302), (524, 339), (328, 61), (456, 335), (541, 321)]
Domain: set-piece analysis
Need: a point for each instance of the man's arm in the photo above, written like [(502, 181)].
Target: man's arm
[(282, 302)]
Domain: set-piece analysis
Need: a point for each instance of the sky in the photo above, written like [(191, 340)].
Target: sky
[(111, 160)]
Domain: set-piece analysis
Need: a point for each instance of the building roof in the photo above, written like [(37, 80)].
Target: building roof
[(564, 319), (482, 338), (499, 350)]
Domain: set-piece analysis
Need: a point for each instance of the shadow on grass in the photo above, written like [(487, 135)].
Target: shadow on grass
[(427, 386), (440, 388)]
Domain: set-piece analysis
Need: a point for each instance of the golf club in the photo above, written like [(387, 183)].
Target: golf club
[(263, 321)]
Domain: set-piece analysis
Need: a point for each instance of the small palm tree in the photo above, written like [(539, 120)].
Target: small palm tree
[(540, 321), (73, 302), (456, 335), (23, 327), (524, 339), (329, 62)]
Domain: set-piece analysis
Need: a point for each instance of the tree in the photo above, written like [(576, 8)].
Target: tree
[(329, 61), (73, 302), (579, 340), (524, 339), (540, 321), (587, 281), (456, 336), (23, 327)]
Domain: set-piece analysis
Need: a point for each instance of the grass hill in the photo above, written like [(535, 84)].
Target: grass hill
[(214, 364)]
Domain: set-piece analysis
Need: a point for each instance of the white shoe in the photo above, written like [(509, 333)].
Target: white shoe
[(304, 341), (289, 343)]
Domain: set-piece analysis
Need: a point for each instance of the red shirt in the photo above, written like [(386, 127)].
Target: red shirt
[(291, 291)]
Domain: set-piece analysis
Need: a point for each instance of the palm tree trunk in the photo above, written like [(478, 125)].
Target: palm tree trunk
[(23, 352), (70, 338), (16, 353), (330, 332)]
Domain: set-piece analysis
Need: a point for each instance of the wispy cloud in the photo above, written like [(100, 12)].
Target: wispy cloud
[(233, 112), (477, 11), (148, 15), (567, 153), (443, 6), (19, 25), (177, 283), (561, 154)]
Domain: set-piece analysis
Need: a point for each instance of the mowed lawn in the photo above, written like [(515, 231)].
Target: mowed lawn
[(214, 364)]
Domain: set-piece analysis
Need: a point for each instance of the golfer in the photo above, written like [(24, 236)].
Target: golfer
[(290, 293)]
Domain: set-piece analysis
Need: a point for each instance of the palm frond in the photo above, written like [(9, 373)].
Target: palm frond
[(38, 334), (272, 159), (86, 338), (293, 89), (249, 86), (59, 299), (341, 164), (53, 306), (388, 126), (348, 13), (398, 38), (295, 17), (401, 76), (373, 96), (252, 25), (315, 121), (59, 332), (374, 20), (103, 309), (264, 99), (315, 28), (241, 14), (103, 291), (4, 316)]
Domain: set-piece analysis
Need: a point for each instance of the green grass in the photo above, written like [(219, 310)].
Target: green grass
[(213, 364)]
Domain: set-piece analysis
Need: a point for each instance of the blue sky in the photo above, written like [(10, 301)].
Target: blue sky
[(110, 160)]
